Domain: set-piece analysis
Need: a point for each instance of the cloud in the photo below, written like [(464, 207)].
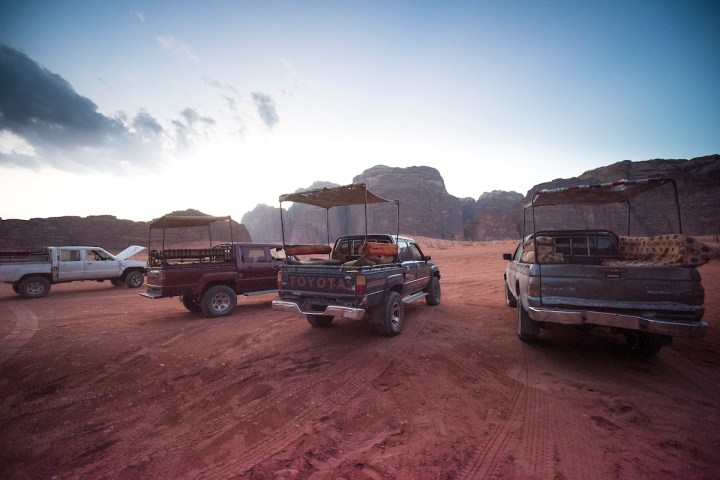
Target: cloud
[(147, 127), (55, 123), (266, 108), (190, 128), (177, 47), (139, 15)]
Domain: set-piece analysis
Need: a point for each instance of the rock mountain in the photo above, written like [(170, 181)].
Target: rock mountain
[(426, 209)]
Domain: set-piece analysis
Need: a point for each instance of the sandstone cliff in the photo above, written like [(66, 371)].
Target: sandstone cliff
[(426, 209), (104, 231)]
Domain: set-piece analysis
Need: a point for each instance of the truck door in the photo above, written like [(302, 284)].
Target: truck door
[(100, 264), (258, 271), (417, 271), (71, 264)]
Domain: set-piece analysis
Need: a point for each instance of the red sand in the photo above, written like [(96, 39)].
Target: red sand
[(98, 382)]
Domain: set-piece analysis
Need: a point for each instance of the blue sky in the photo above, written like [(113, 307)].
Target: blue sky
[(136, 109)]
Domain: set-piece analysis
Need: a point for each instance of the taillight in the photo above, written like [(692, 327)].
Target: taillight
[(534, 287), (360, 286), (279, 281)]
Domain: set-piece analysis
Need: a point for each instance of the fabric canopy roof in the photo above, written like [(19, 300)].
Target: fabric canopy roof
[(180, 221), (602, 193), (353, 194)]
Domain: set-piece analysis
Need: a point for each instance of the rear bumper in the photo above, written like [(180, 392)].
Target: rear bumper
[(619, 320), (352, 313), (152, 293)]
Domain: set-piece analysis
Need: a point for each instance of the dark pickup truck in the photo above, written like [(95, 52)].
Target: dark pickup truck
[(208, 280), (361, 276), (646, 288)]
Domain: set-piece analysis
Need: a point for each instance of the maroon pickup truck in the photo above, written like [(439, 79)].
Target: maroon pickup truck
[(208, 280)]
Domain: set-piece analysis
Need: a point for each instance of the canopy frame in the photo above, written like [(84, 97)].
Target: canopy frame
[(621, 191), (186, 221), (330, 197)]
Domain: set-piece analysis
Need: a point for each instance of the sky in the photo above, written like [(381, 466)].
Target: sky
[(137, 109)]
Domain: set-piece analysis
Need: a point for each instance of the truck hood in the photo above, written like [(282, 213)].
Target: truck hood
[(129, 252)]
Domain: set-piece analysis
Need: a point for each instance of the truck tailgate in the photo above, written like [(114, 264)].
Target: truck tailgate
[(320, 280), (624, 287)]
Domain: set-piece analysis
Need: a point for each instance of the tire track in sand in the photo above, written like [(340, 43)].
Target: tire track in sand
[(26, 325), (537, 436), (356, 372), (356, 369), (520, 432)]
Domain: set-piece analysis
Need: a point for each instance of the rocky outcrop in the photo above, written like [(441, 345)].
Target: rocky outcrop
[(426, 209), (104, 231)]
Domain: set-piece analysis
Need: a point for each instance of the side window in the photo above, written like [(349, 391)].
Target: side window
[(254, 255), (415, 253), (518, 253), (69, 255), (92, 255), (404, 253)]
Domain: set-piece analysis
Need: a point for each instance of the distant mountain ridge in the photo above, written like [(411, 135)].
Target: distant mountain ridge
[(105, 231), (426, 209)]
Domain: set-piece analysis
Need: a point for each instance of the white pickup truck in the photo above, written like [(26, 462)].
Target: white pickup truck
[(32, 273)]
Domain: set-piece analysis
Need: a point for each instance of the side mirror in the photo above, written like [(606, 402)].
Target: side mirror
[(507, 256), (427, 258)]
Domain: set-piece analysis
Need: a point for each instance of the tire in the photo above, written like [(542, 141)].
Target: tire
[(190, 303), (510, 299), (34, 287), (321, 321), (433, 292), (134, 279), (643, 344), (218, 301), (118, 282), (389, 316), (527, 328)]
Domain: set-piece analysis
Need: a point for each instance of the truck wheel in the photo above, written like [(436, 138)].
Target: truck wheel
[(433, 292), (117, 282), (510, 300), (34, 287), (218, 301), (527, 328), (642, 344), (319, 320), (388, 317), (190, 303), (134, 279)]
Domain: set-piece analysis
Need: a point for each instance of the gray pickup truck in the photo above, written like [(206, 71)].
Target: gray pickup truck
[(360, 276), (646, 288)]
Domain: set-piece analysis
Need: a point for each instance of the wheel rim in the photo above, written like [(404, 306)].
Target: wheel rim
[(135, 280), (395, 316), (221, 302), (35, 288)]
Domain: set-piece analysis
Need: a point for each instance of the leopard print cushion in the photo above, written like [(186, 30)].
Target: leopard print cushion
[(673, 250), (545, 251)]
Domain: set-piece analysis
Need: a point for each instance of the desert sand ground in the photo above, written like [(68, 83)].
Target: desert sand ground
[(99, 382)]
